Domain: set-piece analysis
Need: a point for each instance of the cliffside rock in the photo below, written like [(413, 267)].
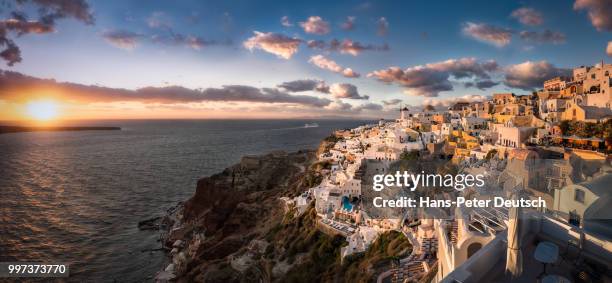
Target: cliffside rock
[(232, 208)]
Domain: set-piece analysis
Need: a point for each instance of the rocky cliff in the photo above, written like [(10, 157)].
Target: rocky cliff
[(230, 213)]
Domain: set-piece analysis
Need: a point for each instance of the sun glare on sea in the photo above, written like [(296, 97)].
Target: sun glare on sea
[(42, 110)]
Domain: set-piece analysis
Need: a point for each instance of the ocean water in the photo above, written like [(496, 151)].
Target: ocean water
[(77, 197)]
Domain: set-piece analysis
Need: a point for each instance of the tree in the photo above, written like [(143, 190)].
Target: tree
[(565, 126), (490, 154), (332, 138), (410, 155), (607, 131), (590, 130)]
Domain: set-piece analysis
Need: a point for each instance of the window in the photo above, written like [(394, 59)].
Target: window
[(579, 196)]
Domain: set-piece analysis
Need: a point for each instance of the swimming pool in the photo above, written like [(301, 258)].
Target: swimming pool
[(346, 204)]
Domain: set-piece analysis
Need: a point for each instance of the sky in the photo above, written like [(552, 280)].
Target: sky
[(284, 59)]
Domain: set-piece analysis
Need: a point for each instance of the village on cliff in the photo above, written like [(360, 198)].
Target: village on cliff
[(552, 144)]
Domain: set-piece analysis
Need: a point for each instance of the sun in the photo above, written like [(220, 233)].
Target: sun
[(42, 110)]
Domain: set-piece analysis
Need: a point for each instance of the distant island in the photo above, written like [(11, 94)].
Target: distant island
[(20, 129)]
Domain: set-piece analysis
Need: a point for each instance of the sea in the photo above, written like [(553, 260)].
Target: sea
[(77, 197)]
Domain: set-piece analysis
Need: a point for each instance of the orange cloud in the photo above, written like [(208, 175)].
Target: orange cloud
[(331, 65), (277, 44), (19, 87)]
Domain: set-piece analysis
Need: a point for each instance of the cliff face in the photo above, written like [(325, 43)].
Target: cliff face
[(255, 177), (230, 211)]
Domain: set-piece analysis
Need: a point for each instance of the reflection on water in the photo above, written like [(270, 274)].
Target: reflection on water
[(77, 197)]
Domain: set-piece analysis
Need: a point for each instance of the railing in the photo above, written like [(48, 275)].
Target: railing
[(444, 244)]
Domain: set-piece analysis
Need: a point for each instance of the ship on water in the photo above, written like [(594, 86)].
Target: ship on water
[(311, 125)]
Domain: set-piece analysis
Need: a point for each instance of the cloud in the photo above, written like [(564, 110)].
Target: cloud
[(22, 26), (285, 22), (273, 95), (431, 79), (368, 106), (328, 64), (446, 102), (419, 80), (324, 63), (315, 25), (14, 84), (305, 85), (193, 42), (342, 107), (337, 90), (528, 16), (51, 10), (345, 46), (338, 105), (382, 26), (348, 46), (166, 35), (482, 85), (546, 36), (349, 73), (48, 12), (11, 53), (609, 49), (349, 24), (277, 44), (129, 40), (391, 102), (317, 44), (531, 75), (343, 90), (122, 39), (497, 36), (600, 12)]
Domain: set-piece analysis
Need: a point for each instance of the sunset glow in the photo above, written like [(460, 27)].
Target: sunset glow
[(42, 110)]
